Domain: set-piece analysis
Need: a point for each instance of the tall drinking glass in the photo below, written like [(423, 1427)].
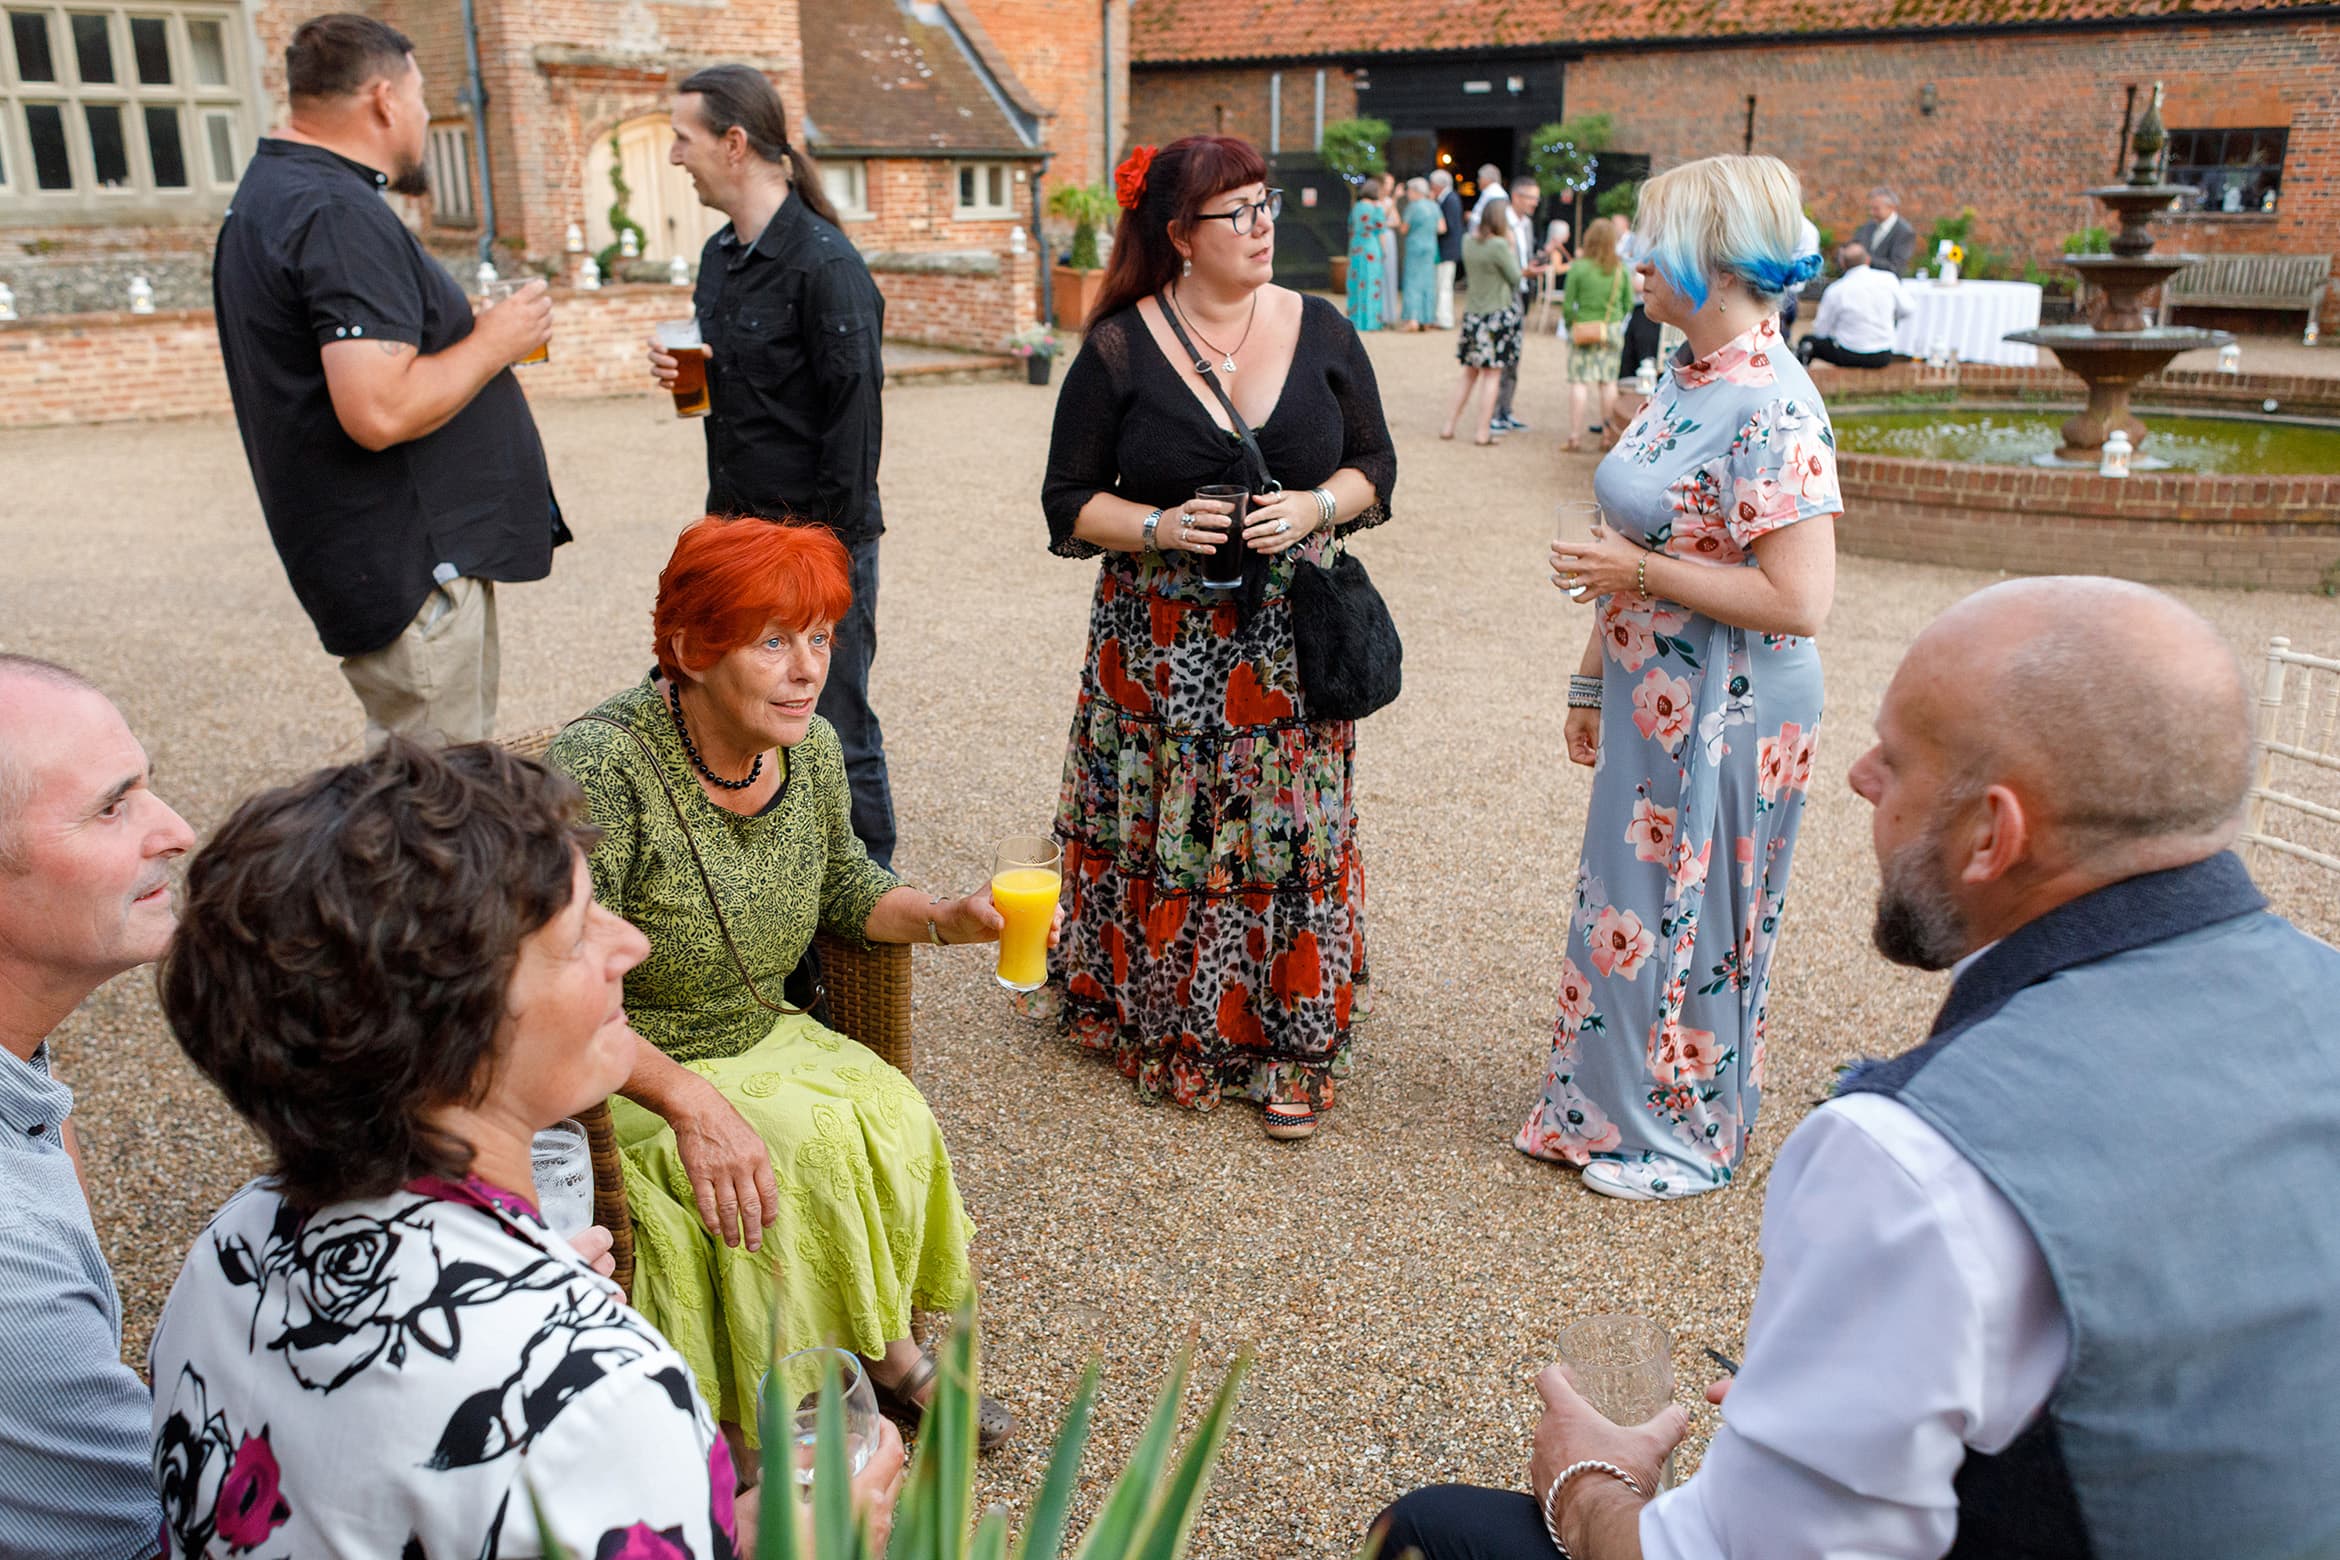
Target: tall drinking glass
[(1624, 1366), (788, 1406), (1223, 570), (1026, 881), (496, 293), (1580, 520), (681, 339), (561, 1161)]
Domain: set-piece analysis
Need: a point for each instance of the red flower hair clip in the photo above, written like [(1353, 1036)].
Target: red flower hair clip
[(1129, 180)]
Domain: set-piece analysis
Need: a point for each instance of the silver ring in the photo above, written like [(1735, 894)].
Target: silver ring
[(1282, 526)]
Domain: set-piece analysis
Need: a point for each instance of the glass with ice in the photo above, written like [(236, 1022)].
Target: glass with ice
[(562, 1161)]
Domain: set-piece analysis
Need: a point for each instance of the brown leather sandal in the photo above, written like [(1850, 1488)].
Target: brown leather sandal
[(994, 1425)]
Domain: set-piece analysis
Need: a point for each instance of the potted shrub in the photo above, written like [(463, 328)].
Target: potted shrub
[(1355, 150), (1565, 157), (1037, 346), (1077, 282)]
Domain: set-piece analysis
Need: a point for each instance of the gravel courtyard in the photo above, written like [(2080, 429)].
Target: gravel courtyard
[(1403, 1275)]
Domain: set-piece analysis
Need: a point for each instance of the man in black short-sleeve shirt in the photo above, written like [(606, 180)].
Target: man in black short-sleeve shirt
[(398, 467)]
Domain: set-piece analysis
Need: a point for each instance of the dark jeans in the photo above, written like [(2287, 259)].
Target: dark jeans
[(845, 705), (1641, 341), (1463, 1522), (1508, 384), (1827, 351)]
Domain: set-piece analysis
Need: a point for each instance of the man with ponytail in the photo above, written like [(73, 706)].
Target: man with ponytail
[(792, 323)]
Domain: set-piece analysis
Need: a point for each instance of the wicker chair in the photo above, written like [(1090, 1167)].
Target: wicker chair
[(869, 1000)]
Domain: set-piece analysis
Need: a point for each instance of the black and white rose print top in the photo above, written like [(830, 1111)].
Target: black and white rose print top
[(393, 1378)]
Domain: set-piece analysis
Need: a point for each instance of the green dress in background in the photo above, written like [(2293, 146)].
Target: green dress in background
[(870, 1219)]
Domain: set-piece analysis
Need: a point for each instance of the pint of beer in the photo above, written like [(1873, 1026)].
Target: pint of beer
[(681, 339), (496, 293)]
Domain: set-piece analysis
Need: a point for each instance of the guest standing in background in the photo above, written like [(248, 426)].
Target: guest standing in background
[(1423, 227), (1214, 935), (1887, 235), (1526, 195), (1556, 252), (1592, 306), (1490, 323), (1697, 702), (1392, 297), (1450, 242), (1366, 218)]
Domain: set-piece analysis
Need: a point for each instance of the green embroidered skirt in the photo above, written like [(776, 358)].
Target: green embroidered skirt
[(870, 1220)]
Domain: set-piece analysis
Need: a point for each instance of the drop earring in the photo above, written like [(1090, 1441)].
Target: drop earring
[(1186, 268)]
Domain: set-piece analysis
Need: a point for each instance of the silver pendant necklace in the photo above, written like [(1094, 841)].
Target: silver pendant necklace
[(1226, 363)]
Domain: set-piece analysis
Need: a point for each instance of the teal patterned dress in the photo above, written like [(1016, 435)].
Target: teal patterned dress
[(1707, 739), (1366, 221)]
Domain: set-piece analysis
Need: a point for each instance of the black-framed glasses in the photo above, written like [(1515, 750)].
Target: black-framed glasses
[(1246, 216)]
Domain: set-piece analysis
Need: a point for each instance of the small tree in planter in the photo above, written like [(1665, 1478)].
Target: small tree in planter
[(1355, 150), (1565, 157), (621, 221), (1087, 207)]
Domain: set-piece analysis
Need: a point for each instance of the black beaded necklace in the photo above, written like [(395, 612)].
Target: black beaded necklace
[(691, 749)]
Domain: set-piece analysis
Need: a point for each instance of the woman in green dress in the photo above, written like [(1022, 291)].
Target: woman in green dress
[(772, 1165), (1599, 292)]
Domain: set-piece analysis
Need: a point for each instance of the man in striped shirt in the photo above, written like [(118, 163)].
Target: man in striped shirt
[(86, 878)]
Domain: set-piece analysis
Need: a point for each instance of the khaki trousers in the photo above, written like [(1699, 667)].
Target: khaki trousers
[(436, 681)]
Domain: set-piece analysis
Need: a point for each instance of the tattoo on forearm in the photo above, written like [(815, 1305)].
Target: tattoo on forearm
[(393, 348)]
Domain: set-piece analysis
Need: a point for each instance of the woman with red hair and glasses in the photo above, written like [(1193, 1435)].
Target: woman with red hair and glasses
[(752, 1134), (1214, 940)]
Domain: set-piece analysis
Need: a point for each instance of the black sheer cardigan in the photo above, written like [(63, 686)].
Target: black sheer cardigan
[(1127, 424)]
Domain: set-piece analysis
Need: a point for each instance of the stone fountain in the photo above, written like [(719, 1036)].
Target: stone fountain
[(2118, 347)]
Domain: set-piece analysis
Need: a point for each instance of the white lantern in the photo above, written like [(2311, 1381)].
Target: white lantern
[(2230, 359), (2117, 450), (7, 302), (2307, 338), (629, 245), (576, 239), (588, 276), (1016, 241), (678, 271), (141, 296), (1645, 377), (486, 276)]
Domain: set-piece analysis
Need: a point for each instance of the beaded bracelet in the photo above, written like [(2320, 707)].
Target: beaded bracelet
[(1552, 1495), (1584, 693)]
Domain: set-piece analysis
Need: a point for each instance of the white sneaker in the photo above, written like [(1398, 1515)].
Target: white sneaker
[(1642, 1181)]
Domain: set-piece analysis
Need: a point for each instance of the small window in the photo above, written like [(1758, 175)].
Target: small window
[(2234, 170), (93, 48), (150, 45), (166, 154), (986, 190), (209, 46), (109, 153), (44, 125), (219, 136), (847, 186), (34, 61), (452, 203)]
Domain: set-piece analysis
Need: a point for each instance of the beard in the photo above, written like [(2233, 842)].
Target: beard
[(410, 178), (1918, 923)]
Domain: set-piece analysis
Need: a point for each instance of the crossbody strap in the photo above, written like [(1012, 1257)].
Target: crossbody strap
[(705, 881), (1202, 366), (1614, 288)]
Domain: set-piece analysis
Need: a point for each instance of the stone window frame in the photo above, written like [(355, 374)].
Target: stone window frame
[(851, 202), (2183, 164), (449, 158), (982, 209), (211, 117)]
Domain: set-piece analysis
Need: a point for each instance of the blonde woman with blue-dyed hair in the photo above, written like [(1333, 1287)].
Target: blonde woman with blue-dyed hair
[(1697, 700)]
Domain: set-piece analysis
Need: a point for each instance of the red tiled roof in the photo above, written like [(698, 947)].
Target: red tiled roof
[(1164, 32), (878, 77)]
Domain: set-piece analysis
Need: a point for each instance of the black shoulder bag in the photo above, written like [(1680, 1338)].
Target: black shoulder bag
[(1351, 660)]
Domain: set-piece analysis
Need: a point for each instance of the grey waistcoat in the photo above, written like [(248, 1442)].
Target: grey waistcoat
[(2151, 1075)]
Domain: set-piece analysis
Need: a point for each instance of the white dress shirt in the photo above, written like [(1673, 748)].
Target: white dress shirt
[(1905, 1316), (1860, 309)]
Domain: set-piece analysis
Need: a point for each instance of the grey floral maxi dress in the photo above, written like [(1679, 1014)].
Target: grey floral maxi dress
[(1707, 734)]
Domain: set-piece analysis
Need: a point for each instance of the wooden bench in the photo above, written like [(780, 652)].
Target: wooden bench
[(868, 1000), (2288, 282)]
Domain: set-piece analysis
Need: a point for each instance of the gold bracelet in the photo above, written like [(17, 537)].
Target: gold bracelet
[(1641, 576)]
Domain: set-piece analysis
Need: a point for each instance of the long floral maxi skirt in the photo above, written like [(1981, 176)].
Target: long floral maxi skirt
[(870, 1219), (1707, 738), (1214, 901)]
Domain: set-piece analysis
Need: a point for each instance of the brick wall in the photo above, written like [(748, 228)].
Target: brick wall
[(952, 308), (1054, 48), (2021, 124), (910, 204), (1167, 104)]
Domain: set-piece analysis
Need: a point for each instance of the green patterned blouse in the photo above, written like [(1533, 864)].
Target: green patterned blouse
[(781, 873)]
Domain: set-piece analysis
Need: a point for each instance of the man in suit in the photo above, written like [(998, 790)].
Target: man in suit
[(1887, 235)]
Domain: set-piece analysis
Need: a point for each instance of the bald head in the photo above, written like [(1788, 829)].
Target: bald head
[(2117, 713)]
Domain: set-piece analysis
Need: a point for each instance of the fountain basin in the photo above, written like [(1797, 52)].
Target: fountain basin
[(2019, 436)]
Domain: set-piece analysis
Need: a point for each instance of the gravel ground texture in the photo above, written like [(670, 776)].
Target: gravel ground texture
[(1402, 1276)]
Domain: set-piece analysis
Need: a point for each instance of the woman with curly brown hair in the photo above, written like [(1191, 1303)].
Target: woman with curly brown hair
[(1213, 938)]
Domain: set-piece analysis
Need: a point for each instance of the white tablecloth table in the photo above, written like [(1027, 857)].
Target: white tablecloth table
[(1972, 317)]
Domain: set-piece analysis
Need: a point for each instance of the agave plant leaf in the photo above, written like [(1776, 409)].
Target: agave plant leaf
[(553, 1548), (776, 1535), (947, 1432), (1122, 1516), (1044, 1534), (832, 1490), (991, 1536), (1170, 1523)]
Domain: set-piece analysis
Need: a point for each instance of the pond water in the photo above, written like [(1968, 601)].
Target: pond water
[(2233, 445)]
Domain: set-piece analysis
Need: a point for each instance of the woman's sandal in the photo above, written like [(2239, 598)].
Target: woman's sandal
[(1289, 1121), (994, 1425)]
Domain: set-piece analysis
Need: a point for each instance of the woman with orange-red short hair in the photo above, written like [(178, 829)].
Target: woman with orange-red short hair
[(752, 1134)]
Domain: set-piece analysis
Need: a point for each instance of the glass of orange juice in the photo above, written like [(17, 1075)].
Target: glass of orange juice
[(1025, 882)]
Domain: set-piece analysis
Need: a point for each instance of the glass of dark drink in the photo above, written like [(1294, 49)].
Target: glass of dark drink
[(1223, 569), (680, 340)]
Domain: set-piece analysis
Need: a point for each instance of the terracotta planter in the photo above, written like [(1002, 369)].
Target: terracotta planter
[(1076, 293), (1340, 274)]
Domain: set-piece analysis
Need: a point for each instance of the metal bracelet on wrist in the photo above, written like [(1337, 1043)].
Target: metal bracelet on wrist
[(1584, 693), (1552, 1495), (932, 905), (1151, 545), (1326, 506)]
